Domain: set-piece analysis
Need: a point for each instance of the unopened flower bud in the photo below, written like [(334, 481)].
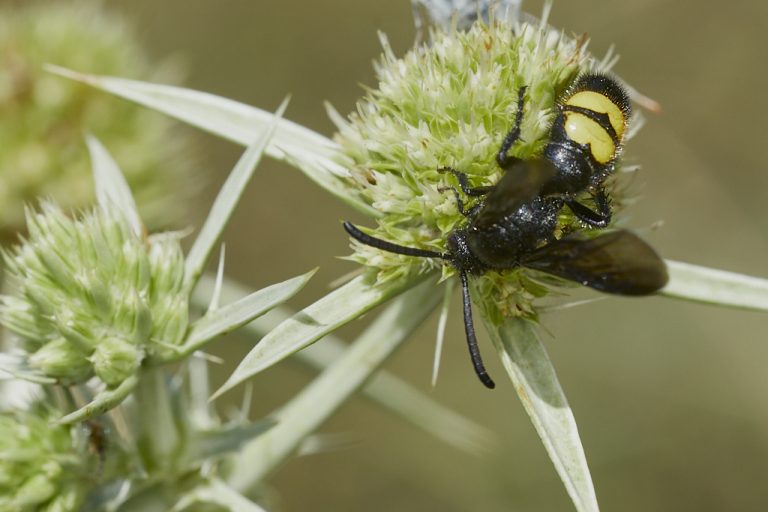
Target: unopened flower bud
[(91, 297), (114, 360)]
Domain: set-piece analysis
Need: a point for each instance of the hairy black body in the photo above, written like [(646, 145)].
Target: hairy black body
[(514, 222)]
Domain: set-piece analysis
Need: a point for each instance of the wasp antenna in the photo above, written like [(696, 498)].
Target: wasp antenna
[(378, 243), (469, 327)]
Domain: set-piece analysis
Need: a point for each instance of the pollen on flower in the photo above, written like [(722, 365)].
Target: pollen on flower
[(90, 297), (449, 103)]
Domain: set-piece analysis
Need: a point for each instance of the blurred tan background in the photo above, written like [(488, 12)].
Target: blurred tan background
[(670, 397)]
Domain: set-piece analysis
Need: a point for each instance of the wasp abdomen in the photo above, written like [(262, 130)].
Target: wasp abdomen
[(594, 115)]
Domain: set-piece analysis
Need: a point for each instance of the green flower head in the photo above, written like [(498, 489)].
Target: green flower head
[(91, 297), (43, 467), (450, 103), (44, 117)]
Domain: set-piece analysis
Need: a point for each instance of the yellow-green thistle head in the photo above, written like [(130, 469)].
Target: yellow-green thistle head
[(450, 103), (91, 297), (44, 467), (44, 117)]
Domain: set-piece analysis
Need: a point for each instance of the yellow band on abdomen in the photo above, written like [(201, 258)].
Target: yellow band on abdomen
[(600, 103), (584, 130)]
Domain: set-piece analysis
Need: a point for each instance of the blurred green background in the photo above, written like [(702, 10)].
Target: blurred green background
[(669, 396)]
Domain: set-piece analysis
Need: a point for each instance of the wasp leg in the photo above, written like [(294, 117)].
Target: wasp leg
[(595, 219), (460, 203), (469, 328), (502, 157), (464, 183)]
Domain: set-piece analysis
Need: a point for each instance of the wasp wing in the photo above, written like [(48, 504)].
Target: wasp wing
[(519, 184), (618, 262)]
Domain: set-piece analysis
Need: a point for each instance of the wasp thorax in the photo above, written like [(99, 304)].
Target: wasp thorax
[(461, 255)]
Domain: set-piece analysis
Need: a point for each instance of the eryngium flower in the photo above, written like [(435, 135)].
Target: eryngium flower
[(450, 103), (43, 467), (44, 117), (93, 298)]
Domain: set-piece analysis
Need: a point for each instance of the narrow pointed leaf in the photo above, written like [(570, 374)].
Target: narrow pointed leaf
[(227, 318), (102, 402), (314, 154), (214, 443), (554, 308), (323, 396), (218, 493), (199, 409), (339, 307), (383, 388), (111, 188), (318, 443), (535, 381), (702, 284), (226, 202), (216, 295), (444, 310)]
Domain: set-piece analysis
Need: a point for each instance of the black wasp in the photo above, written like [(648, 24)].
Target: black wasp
[(514, 222)]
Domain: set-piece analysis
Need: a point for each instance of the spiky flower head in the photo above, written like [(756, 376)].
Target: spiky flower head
[(91, 297), (44, 467), (450, 103), (44, 118)]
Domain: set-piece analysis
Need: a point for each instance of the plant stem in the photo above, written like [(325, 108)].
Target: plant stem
[(158, 437)]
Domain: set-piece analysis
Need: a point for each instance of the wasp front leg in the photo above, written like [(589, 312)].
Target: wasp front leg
[(460, 202), (503, 158), (464, 183)]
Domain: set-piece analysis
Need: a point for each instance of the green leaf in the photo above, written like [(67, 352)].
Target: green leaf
[(226, 202), (535, 381), (218, 493), (315, 403), (383, 388), (339, 307), (102, 402), (407, 402), (444, 311), (702, 284), (226, 319), (215, 299), (314, 154), (197, 408), (111, 188), (207, 444)]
